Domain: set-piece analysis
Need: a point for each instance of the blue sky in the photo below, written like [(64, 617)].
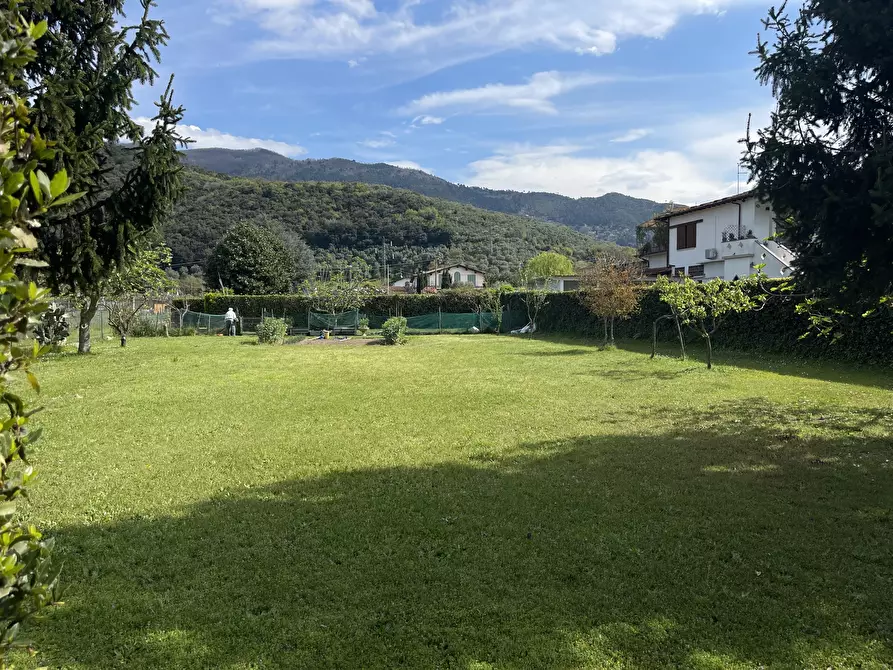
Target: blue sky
[(580, 97)]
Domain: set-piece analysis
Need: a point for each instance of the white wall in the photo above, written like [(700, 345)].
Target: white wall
[(434, 279), (739, 255)]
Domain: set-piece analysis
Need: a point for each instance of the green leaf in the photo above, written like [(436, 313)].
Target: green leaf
[(7, 508), (13, 183), (44, 182), (35, 188), (32, 263), (38, 30), (59, 184), (66, 199)]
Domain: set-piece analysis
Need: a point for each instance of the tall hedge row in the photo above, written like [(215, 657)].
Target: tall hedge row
[(776, 328)]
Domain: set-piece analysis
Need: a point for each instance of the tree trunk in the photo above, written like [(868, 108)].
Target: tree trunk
[(605, 322), (654, 338), (681, 336), (709, 351), (612, 332), (87, 314)]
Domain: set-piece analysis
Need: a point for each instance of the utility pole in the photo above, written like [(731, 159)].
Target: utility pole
[(387, 270)]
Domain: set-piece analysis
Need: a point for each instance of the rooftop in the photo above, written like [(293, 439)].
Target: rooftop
[(666, 216)]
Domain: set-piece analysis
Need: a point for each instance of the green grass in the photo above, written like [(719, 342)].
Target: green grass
[(463, 502)]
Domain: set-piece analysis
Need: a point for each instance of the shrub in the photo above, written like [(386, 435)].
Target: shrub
[(394, 330), (53, 329), (271, 331), (146, 326)]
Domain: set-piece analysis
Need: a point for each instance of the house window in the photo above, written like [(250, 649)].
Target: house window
[(696, 270), (457, 278), (687, 236), (471, 279)]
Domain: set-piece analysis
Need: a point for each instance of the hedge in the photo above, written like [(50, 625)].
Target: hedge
[(776, 328)]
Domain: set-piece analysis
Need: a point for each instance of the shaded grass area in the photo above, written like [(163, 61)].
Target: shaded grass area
[(472, 502)]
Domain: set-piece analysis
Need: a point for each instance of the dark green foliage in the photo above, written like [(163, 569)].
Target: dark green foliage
[(82, 87), (612, 217), (251, 260), (53, 328), (446, 280), (394, 330), (343, 222), (826, 161), (271, 331)]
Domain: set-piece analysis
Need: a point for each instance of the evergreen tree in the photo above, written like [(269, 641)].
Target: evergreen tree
[(446, 280), (82, 89), (252, 260), (826, 160)]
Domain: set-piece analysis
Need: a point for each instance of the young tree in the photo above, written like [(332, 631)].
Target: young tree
[(28, 576), (702, 307), (339, 294), (491, 301), (251, 260), (128, 291), (825, 162), (548, 264), (446, 279), (81, 86), (611, 288)]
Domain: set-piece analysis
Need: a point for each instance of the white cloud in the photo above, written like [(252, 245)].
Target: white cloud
[(210, 138), (463, 28), (700, 166), (426, 120), (378, 143), (536, 95), (633, 135), (409, 165)]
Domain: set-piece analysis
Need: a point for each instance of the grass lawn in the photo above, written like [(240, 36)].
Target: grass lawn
[(463, 502)]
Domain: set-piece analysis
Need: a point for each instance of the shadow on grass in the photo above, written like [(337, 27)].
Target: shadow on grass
[(833, 371), (757, 538)]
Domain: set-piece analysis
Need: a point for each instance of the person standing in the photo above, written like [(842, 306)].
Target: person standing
[(230, 319)]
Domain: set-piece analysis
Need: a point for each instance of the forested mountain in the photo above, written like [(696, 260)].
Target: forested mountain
[(348, 223), (612, 217)]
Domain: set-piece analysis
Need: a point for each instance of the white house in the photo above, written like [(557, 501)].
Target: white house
[(725, 238), (560, 284), (461, 275)]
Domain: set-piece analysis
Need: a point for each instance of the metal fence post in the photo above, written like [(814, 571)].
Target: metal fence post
[(440, 320)]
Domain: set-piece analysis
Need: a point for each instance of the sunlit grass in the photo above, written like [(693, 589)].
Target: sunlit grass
[(465, 502)]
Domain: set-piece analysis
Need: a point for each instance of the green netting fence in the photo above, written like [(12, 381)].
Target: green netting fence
[(205, 324), (436, 322)]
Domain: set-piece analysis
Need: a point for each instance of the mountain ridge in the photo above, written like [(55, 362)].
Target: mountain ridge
[(612, 217)]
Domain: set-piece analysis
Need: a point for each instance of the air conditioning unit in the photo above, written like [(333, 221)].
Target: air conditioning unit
[(711, 254)]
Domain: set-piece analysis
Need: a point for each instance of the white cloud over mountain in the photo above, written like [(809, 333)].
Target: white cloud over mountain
[(205, 138)]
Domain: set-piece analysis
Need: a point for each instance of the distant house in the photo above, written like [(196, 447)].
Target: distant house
[(559, 284), (724, 238), (461, 275)]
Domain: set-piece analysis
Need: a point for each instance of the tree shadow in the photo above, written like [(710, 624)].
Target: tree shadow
[(559, 353), (832, 371), (752, 538)]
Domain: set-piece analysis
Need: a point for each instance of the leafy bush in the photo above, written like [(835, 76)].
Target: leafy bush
[(394, 330), (28, 575), (53, 329), (146, 326), (271, 331)]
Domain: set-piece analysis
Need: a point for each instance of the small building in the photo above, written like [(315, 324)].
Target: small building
[(460, 275), (724, 239), (560, 284)]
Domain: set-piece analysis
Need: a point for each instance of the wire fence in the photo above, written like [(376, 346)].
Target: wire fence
[(351, 322), (160, 320)]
